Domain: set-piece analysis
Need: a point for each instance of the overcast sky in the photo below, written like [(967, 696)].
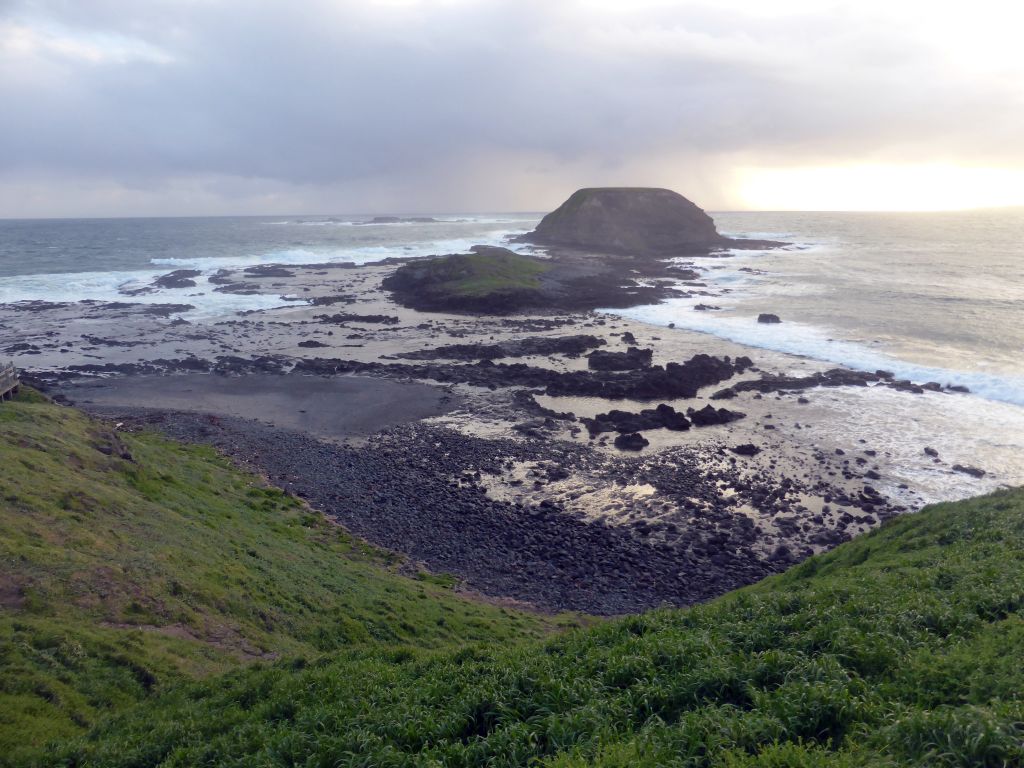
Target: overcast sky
[(163, 107)]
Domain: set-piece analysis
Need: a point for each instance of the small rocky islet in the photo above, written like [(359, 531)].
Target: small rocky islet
[(605, 247)]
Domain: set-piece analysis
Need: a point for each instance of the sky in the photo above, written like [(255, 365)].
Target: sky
[(219, 107)]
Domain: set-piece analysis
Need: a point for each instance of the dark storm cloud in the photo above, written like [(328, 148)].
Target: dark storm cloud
[(340, 94)]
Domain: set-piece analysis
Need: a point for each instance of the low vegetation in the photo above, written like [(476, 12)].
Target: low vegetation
[(129, 564), (480, 280), (902, 647)]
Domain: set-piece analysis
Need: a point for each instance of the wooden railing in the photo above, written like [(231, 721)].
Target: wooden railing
[(9, 382)]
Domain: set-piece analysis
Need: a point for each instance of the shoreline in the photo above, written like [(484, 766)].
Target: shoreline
[(518, 501), (447, 501)]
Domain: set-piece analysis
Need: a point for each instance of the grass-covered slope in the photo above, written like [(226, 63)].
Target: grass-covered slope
[(901, 648), (129, 564)]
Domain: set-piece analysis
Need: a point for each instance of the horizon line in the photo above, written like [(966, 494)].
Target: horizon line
[(142, 217)]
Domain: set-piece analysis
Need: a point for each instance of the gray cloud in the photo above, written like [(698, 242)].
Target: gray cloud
[(228, 105)]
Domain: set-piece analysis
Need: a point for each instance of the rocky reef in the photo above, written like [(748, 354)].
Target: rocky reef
[(497, 281), (485, 280)]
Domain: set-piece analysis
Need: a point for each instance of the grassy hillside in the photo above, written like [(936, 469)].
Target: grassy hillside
[(901, 648), (160, 608), (129, 564)]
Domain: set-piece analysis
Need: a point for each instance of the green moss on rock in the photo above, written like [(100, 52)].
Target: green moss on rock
[(487, 279)]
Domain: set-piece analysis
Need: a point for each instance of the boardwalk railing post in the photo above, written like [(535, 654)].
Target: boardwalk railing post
[(9, 382)]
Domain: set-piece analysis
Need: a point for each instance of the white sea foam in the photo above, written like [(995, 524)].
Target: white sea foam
[(403, 222), (808, 341), (357, 255), (964, 430), (107, 287)]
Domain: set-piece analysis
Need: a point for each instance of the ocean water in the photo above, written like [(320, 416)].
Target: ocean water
[(928, 296), (100, 259)]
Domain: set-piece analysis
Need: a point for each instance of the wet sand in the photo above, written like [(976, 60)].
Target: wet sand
[(338, 407)]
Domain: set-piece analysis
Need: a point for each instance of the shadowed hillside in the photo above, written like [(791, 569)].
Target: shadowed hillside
[(900, 648), (129, 563)]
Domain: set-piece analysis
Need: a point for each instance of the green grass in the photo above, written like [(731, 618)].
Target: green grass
[(492, 273), (902, 647), (482, 275), (130, 564)]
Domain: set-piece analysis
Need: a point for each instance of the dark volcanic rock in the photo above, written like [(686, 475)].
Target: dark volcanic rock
[(673, 381), (768, 318), (664, 416), (99, 341), (239, 288), (325, 301), (164, 310), (23, 346), (631, 442), (268, 270), (533, 345), (670, 418), (746, 449), (836, 377), (630, 360), (641, 221), (348, 317), (221, 277), (311, 343), (36, 305), (710, 416), (181, 278), (620, 421), (972, 471)]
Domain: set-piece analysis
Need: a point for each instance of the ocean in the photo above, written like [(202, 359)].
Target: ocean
[(75, 259), (927, 296)]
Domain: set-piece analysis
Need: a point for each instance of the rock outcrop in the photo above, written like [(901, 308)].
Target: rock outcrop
[(635, 221), (494, 281)]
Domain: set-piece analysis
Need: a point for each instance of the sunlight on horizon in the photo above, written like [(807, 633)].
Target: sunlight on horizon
[(932, 187)]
